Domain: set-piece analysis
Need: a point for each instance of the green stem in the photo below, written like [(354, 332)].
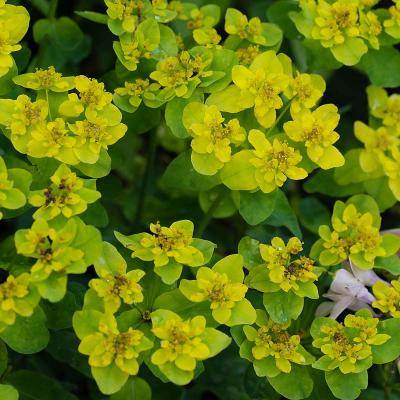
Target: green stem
[(52, 9), (209, 214), (41, 5), (151, 152), (48, 104), (280, 116)]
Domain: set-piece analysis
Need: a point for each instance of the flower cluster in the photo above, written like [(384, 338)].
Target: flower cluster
[(355, 235), (169, 248), (72, 128), (348, 345), (346, 28), (271, 348)]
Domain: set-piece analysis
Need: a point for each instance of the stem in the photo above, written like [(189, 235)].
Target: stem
[(48, 104), (280, 116), (145, 182), (41, 5), (208, 215), (52, 9)]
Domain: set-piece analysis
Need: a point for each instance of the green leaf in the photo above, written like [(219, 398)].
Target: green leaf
[(174, 112), (7, 392), (390, 350), (180, 174), (313, 214), (282, 306), (67, 33), (372, 62), (295, 385), (86, 322), (256, 207), (379, 189), (346, 386), (27, 335), (135, 389), (391, 264), (278, 13), (33, 385), (284, 215), (3, 357), (109, 379), (93, 16), (98, 170), (249, 249)]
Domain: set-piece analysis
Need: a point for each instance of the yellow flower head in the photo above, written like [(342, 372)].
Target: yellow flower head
[(14, 23), (261, 86), (124, 12), (335, 22), (387, 297), (67, 195), (347, 345), (355, 234), (392, 24), (305, 90), (27, 115), (122, 286), (53, 139), (283, 270), (16, 298), (274, 162), (212, 137), (248, 54), (222, 286), (271, 340), (370, 28), (96, 133), (316, 130), (181, 343), (377, 142), (45, 79), (110, 346), (180, 74), (385, 107)]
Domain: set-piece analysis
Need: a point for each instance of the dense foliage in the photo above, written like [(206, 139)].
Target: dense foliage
[(199, 200)]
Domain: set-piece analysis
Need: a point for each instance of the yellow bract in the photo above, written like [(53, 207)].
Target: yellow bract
[(181, 343), (274, 162), (212, 137), (316, 130), (261, 85), (387, 297), (109, 345)]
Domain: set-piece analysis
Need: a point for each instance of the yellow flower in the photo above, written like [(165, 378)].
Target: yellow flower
[(387, 297), (109, 346), (14, 23), (248, 54), (180, 75), (271, 340), (123, 14), (316, 130), (92, 96), (45, 79), (377, 142), (96, 133), (116, 287), (274, 162), (392, 24), (55, 140), (181, 343), (261, 86), (370, 28), (222, 286), (391, 168), (286, 273), (68, 195), (385, 107), (17, 297), (347, 345), (212, 137), (305, 90)]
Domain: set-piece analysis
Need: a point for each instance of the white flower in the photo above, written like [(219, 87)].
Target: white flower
[(348, 291)]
